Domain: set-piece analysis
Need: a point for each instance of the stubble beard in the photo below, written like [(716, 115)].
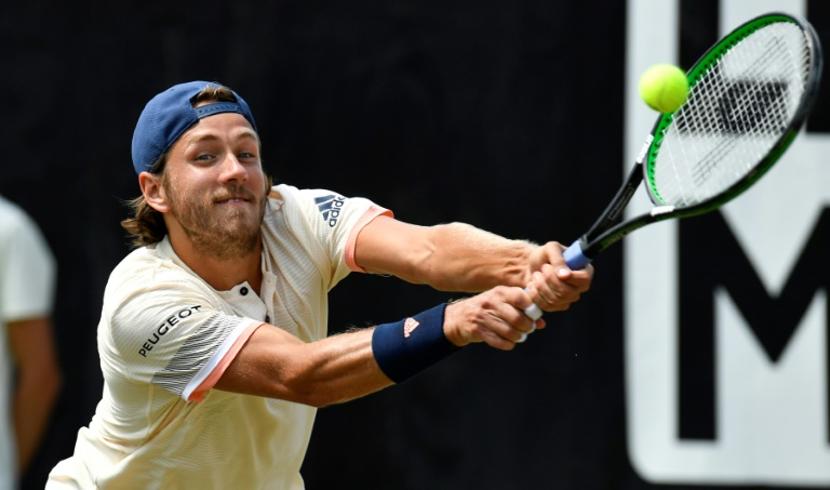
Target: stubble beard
[(225, 235)]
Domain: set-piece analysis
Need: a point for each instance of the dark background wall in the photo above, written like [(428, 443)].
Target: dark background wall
[(505, 115)]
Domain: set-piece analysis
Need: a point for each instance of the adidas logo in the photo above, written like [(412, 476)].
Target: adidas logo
[(329, 207), (409, 325)]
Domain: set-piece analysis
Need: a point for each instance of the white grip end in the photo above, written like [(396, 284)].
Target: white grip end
[(534, 312)]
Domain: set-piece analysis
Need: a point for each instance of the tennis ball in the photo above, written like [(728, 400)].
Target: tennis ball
[(664, 87)]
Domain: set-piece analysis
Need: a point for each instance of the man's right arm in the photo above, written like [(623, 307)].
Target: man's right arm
[(273, 363), (461, 257)]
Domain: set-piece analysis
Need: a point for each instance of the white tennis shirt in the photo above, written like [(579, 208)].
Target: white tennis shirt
[(165, 338), (27, 280)]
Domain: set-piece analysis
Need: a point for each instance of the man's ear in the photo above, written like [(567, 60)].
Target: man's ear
[(153, 191)]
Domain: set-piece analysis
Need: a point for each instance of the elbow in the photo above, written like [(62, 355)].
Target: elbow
[(441, 258), (420, 266), (43, 382), (325, 397), (448, 260), (319, 402), (311, 396), (300, 391), (57, 385), (51, 384), (436, 261), (302, 386)]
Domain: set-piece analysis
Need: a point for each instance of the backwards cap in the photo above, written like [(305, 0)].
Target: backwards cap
[(169, 114)]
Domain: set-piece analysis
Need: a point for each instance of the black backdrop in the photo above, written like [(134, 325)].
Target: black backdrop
[(505, 115)]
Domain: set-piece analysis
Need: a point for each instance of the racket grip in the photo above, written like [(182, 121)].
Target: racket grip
[(574, 257), (533, 312)]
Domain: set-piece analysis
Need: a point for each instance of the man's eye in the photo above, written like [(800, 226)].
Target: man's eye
[(204, 156), (246, 155)]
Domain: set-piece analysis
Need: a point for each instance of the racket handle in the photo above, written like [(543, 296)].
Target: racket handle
[(574, 257), (533, 312)]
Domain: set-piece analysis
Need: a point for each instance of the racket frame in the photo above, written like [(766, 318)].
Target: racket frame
[(608, 229)]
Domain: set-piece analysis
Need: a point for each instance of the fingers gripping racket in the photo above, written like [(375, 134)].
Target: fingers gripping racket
[(749, 96)]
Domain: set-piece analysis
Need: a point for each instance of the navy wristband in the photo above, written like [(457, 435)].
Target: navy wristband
[(409, 346)]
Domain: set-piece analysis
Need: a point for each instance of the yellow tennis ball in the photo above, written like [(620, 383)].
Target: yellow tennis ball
[(664, 87)]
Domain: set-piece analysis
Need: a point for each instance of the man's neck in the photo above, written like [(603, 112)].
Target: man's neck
[(221, 273)]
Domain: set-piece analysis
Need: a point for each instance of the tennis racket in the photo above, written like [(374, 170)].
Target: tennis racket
[(749, 96)]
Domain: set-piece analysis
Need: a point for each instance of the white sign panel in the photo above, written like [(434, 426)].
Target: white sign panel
[(769, 413)]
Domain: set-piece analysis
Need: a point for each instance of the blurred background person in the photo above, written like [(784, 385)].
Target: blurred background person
[(30, 378)]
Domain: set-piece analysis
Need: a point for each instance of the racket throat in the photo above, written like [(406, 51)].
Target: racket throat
[(614, 211)]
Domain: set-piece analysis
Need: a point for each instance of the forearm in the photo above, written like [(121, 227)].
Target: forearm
[(37, 384), (448, 257), (460, 257), (465, 258), (337, 369), (34, 398), (275, 364)]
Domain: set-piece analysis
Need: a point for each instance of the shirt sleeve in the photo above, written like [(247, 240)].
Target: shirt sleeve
[(174, 337), (27, 272), (336, 221)]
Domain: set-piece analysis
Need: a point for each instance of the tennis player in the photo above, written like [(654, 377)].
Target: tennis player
[(213, 335)]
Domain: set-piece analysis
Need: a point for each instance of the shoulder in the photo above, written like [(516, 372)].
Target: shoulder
[(148, 288), (12, 218), (283, 194), (148, 275), (145, 265), (314, 200), (22, 242), (320, 209), (302, 204), (10, 210)]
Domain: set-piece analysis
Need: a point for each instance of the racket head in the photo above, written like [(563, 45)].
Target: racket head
[(750, 94)]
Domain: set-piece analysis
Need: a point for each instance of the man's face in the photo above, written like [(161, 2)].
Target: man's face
[(216, 187)]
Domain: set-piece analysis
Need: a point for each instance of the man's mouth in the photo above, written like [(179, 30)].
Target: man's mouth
[(232, 200)]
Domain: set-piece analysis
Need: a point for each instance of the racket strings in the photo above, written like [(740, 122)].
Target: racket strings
[(735, 114), (731, 97), (774, 54), (737, 95), (735, 120)]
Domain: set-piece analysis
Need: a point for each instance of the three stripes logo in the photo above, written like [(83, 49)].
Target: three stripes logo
[(330, 207)]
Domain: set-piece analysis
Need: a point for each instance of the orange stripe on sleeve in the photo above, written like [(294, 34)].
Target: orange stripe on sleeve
[(209, 382), (370, 214)]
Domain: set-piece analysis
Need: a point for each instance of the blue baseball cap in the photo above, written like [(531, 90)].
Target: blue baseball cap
[(169, 114)]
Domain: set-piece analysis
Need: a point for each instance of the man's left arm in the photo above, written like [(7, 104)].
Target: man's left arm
[(460, 257), (37, 385)]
